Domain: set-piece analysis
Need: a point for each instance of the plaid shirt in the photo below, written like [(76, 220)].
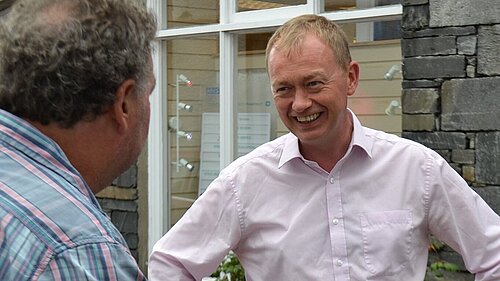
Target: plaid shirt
[(51, 226)]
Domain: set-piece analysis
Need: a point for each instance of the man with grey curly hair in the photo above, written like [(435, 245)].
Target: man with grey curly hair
[(75, 80)]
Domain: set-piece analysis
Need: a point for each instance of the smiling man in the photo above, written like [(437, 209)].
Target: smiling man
[(331, 200)]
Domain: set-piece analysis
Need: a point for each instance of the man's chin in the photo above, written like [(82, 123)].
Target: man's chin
[(308, 137)]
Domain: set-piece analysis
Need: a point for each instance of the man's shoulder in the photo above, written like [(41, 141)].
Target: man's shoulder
[(53, 216), (32, 246), (384, 142), (265, 154)]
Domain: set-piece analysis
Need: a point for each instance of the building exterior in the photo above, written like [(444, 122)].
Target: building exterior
[(446, 96), (451, 88)]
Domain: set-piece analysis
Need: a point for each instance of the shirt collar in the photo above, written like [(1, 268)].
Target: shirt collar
[(359, 139)]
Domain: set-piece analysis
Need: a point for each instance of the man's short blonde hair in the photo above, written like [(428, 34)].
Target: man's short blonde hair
[(288, 38)]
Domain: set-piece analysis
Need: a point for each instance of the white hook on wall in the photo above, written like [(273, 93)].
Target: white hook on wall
[(395, 68), (391, 109), (184, 79), (184, 106), (186, 164)]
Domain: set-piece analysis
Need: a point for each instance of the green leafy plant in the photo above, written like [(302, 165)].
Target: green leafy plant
[(229, 269), (439, 265)]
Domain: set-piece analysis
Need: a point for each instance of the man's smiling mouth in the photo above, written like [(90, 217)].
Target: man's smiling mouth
[(308, 118)]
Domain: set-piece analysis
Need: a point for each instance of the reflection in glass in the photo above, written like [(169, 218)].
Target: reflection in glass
[(257, 117), (339, 5), (181, 13), (252, 5), (372, 31), (192, 91)]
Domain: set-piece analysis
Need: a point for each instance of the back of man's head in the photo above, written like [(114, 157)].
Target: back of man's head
[(61, 61)]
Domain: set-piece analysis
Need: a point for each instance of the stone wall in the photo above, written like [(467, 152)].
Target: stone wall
[(451, 88), (120, 202)]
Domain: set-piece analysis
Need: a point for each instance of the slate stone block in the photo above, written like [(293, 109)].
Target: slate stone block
[(470, 104), (120, 205), (468, 173), (438, 140), (126, 222), (418, 122), (488, 58), (434, 67), (463, 156), (442, 45), (466, 45), (132, 240), (440, 31), (420, 100), (488, 158), (408, 84), (463, 12), (414, 2), (415, 17)]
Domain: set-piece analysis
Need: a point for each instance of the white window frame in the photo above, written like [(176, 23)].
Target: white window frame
[(231, 24)]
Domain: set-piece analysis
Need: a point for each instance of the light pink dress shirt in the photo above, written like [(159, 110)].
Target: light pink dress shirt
[(368, 219)]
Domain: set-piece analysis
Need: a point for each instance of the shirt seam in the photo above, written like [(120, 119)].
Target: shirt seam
[(427, 187), (239, 209), (233, 170)]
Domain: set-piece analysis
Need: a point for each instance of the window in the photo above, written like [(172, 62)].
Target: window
[(221, 107)]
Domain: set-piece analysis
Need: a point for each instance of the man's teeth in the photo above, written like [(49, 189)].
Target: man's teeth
[(308, 118)]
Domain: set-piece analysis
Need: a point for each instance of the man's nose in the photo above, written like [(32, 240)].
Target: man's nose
[(301, 100)]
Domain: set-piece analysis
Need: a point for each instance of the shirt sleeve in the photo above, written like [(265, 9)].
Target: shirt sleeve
[(198, 242), (95, 261), (463, 220)]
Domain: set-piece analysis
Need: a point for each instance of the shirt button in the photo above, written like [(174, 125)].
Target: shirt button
[(332, 180), (335, 221), (339, 262)]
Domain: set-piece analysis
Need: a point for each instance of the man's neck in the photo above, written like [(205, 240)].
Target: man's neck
[(327, 155), (84, 148)]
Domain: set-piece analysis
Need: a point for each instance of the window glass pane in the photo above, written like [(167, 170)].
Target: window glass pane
[(182, 13), (193, 92), (338, 5), (376, 47), (372, 31), (251, 5), (258, 121)]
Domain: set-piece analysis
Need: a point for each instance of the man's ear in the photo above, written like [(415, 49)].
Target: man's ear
[(353, 74), (123, 104)]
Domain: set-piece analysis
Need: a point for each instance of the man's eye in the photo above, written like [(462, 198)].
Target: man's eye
[(314, 84), (282, 90)]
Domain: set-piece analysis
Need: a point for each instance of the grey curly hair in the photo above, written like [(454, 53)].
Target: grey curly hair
[(63, 60)]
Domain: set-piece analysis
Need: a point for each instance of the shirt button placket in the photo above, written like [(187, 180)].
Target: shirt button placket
[(337, 231)]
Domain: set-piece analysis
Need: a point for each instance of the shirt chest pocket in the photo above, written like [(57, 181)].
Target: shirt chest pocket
[(387, 240)]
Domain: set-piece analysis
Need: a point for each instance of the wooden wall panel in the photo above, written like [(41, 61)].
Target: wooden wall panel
[(180, 13)]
